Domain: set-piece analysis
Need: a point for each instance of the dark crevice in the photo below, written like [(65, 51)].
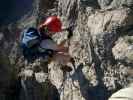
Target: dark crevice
[(73, 12), (84, 83), (13, 10), (90, 3), (96, 63)]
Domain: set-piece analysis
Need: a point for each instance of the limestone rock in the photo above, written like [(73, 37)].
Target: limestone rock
[(101, 46), (123, 94), (123, 49), (115, 3)]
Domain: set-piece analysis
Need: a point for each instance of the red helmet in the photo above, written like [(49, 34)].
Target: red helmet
[(53, 24)]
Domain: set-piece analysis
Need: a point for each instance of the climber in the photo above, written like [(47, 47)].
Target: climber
[(39, 43)]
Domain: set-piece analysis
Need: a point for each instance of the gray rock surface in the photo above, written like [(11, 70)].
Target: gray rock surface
[(101, 46), (123, 94), (115, 3)]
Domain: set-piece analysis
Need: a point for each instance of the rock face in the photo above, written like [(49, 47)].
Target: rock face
[(98, 71), (102, 47), (115, 3), (123, 94)]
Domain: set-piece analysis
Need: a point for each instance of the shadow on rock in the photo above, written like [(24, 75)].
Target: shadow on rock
[(30, 89), (89, 92)]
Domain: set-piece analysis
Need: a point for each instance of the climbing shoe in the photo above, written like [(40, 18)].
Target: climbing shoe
[(66, 68)]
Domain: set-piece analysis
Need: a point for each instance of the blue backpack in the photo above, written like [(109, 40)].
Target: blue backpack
[(29, 42)]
